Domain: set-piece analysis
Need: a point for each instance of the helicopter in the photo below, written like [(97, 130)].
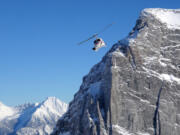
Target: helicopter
[(98, 42)]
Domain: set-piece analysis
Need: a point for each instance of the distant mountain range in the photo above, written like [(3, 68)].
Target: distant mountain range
[(31, 119)]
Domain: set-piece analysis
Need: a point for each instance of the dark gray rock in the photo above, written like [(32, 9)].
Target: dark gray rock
[(134, 90)]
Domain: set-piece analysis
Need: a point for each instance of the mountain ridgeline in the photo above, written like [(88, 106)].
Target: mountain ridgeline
[(135, 88), (31, 119)]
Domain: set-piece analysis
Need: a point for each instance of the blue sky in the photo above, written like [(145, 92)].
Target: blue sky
[(39, 55)]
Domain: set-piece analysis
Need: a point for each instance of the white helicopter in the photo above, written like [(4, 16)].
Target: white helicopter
[(98, 42)]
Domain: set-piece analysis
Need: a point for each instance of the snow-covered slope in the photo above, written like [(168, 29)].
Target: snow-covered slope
[(31, 119), (6, 111), (170, 17)]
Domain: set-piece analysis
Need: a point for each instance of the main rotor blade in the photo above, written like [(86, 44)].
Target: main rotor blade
[(88, 39), (109, 25)]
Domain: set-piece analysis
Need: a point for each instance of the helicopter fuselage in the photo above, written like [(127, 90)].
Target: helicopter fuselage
[(98, 43)]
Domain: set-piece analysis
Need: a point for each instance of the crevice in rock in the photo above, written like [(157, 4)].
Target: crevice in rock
[(140, 24), (159, 123), (156, 118), (81, 117), (132, 58), (128, 52), (110, 124)]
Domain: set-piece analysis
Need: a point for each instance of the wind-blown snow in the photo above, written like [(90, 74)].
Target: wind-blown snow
[(168, 16)]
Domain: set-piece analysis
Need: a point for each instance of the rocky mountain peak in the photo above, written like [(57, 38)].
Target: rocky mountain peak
[(135, 88), (170, 17), (5, 111), (31, 119), (50, 105)]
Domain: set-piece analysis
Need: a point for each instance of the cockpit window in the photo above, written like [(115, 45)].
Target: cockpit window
[(96, 41)]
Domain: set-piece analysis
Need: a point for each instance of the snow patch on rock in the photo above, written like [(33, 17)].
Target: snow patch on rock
[(123, 131), (166, 77), (130, 39), (170, 78), (170, 17)]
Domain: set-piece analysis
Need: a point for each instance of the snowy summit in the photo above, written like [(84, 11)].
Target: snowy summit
[(31, 119), (5, 111), (170, 17)]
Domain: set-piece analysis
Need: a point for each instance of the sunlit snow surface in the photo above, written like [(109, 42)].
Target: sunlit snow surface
[(6, 111), (32, 119), (170, 78), (168, 16), (123, 131)]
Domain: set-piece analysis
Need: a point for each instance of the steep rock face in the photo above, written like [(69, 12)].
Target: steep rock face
[(135, 89)]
